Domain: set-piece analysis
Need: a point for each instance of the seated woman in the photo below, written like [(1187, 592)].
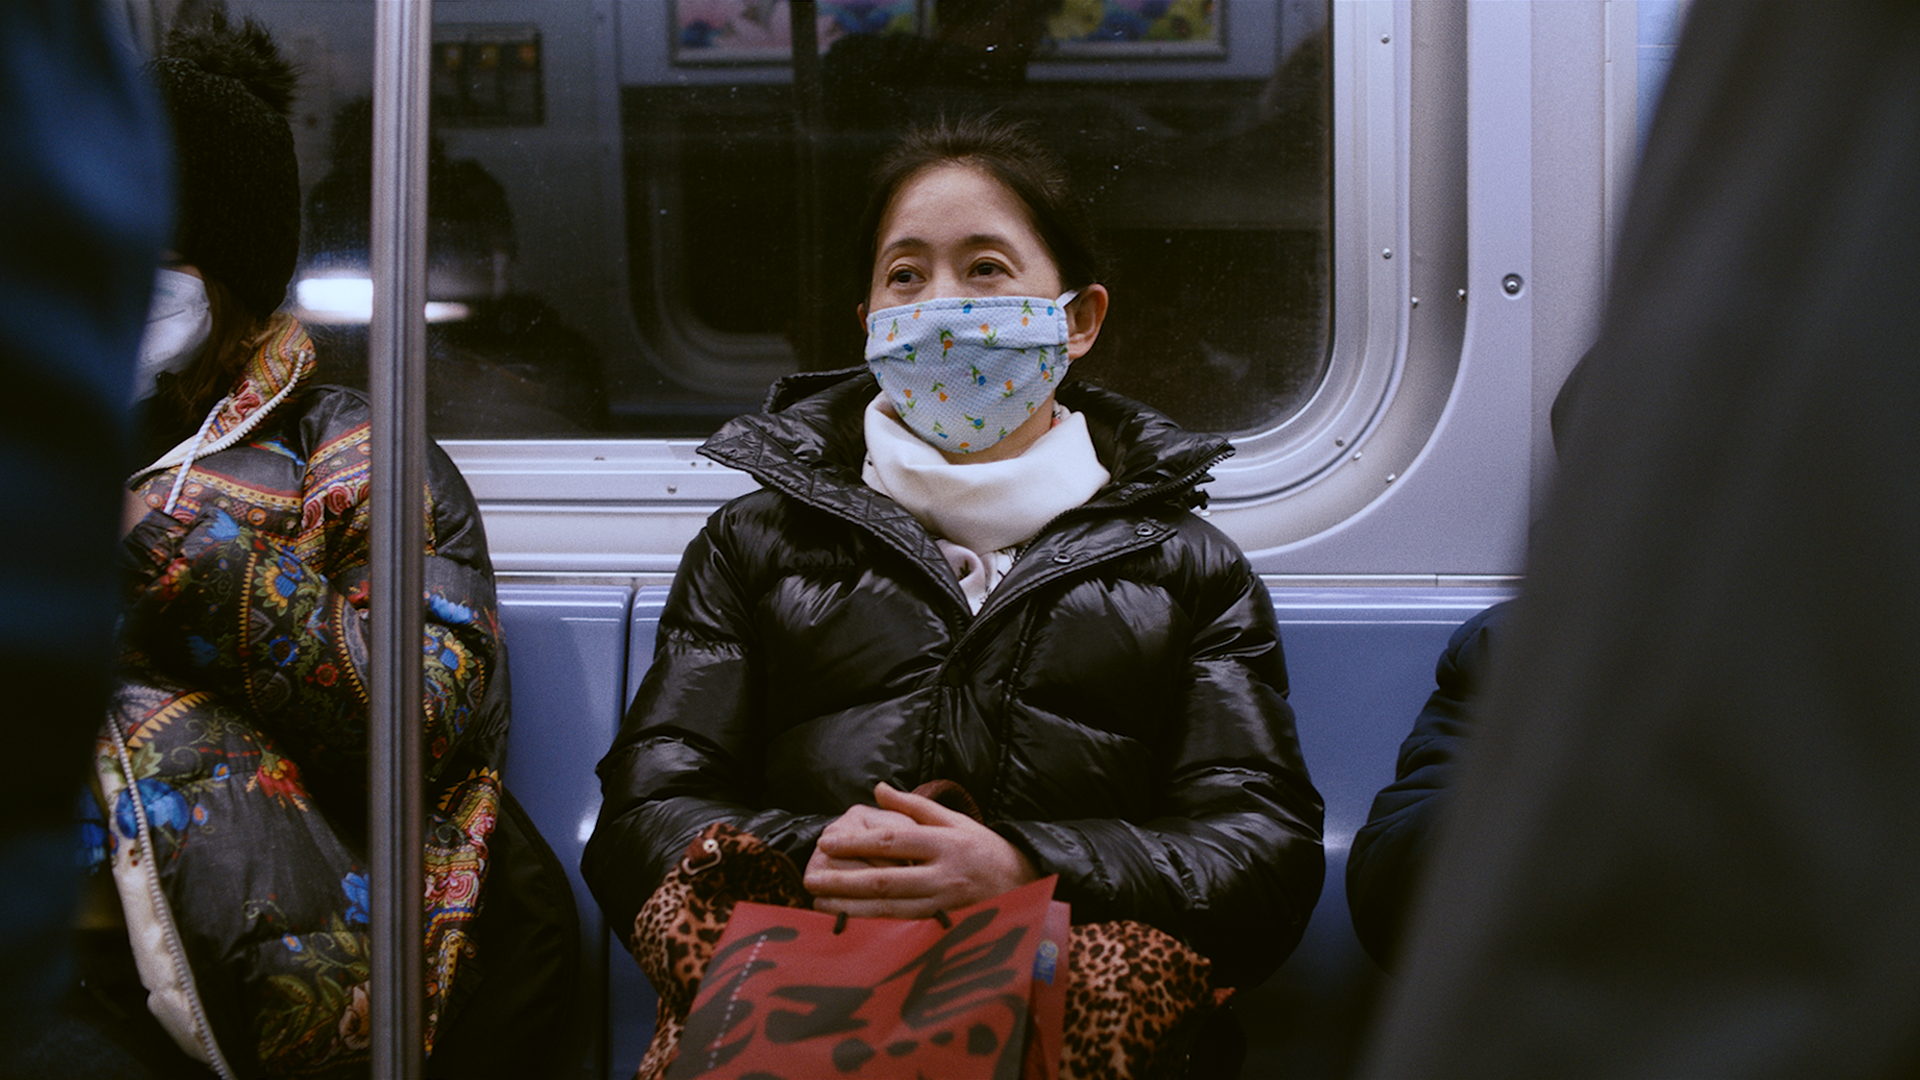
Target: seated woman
[(948, 574), (240, 717)]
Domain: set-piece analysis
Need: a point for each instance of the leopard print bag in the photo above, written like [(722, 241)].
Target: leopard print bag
[(1135, 996)]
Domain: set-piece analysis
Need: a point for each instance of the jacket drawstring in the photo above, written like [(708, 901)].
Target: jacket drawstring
[(193, 451)]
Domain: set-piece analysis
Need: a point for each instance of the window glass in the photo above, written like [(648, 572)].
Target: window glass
[(643, 212), (503, 359)]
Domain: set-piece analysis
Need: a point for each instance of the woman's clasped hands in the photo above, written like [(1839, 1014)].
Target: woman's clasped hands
[(908, 857)]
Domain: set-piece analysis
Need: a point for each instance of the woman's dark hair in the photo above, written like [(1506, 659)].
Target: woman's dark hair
[(1011, 153)]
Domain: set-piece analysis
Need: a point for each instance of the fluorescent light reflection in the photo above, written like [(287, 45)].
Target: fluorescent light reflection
[(336, 299), (350, 300)]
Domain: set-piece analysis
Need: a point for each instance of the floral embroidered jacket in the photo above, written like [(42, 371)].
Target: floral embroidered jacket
[(240, 719)]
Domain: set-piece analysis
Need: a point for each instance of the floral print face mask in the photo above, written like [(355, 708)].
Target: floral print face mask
[(962, 372)]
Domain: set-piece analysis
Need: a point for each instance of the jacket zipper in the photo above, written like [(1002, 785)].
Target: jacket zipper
[(947, 584), (1003, 598)]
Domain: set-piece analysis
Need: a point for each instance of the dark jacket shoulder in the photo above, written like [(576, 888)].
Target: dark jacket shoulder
[(1392, 848)]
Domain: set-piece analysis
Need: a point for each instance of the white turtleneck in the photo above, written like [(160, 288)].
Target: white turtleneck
[(980, 514)]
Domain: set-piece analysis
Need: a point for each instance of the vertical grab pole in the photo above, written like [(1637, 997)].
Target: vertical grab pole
[(396, 490)]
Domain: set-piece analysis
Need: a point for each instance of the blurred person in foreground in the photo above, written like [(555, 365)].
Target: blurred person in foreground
[(1683, 845), (85, 191)]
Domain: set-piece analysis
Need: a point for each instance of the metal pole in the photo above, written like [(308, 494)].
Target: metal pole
[(396, 490)]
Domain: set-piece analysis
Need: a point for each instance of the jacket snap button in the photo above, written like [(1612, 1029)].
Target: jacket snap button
[(1143, 530), (1063, 558)]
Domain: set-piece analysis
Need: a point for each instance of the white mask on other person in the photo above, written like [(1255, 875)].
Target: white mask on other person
[(179, 321)]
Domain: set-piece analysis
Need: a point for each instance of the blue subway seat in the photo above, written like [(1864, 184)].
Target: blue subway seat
[(631, 999), (1360, 663), (567, 659)]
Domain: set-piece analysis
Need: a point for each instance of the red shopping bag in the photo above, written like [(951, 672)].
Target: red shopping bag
[(1046, 1029), (797, 994)]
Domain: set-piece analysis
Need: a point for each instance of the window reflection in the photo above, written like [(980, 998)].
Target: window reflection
[(1210, 188), (500, 360)]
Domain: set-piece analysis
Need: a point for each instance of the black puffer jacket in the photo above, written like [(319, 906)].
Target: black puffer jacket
[(1118, 706)]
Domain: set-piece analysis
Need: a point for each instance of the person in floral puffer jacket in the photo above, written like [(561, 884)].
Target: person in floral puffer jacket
[(232, 765)]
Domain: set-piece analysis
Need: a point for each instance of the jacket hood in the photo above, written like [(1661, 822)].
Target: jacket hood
[(811, 428)]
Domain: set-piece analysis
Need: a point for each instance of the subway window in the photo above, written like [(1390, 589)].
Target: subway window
[(642, 213), (1197, 132)]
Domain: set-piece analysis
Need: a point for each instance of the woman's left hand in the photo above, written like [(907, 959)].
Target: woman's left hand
[(946, 860)]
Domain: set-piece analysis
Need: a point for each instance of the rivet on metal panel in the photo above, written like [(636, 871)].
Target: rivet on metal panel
[(1512, 284)]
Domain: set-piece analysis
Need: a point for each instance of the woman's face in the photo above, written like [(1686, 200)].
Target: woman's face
[(956, 231)]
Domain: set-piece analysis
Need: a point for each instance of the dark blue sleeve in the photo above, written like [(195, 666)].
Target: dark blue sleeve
[(1389, 851), (85, 192)]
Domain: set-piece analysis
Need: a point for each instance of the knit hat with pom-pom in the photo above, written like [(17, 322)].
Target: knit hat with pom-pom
[(228, 93)]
